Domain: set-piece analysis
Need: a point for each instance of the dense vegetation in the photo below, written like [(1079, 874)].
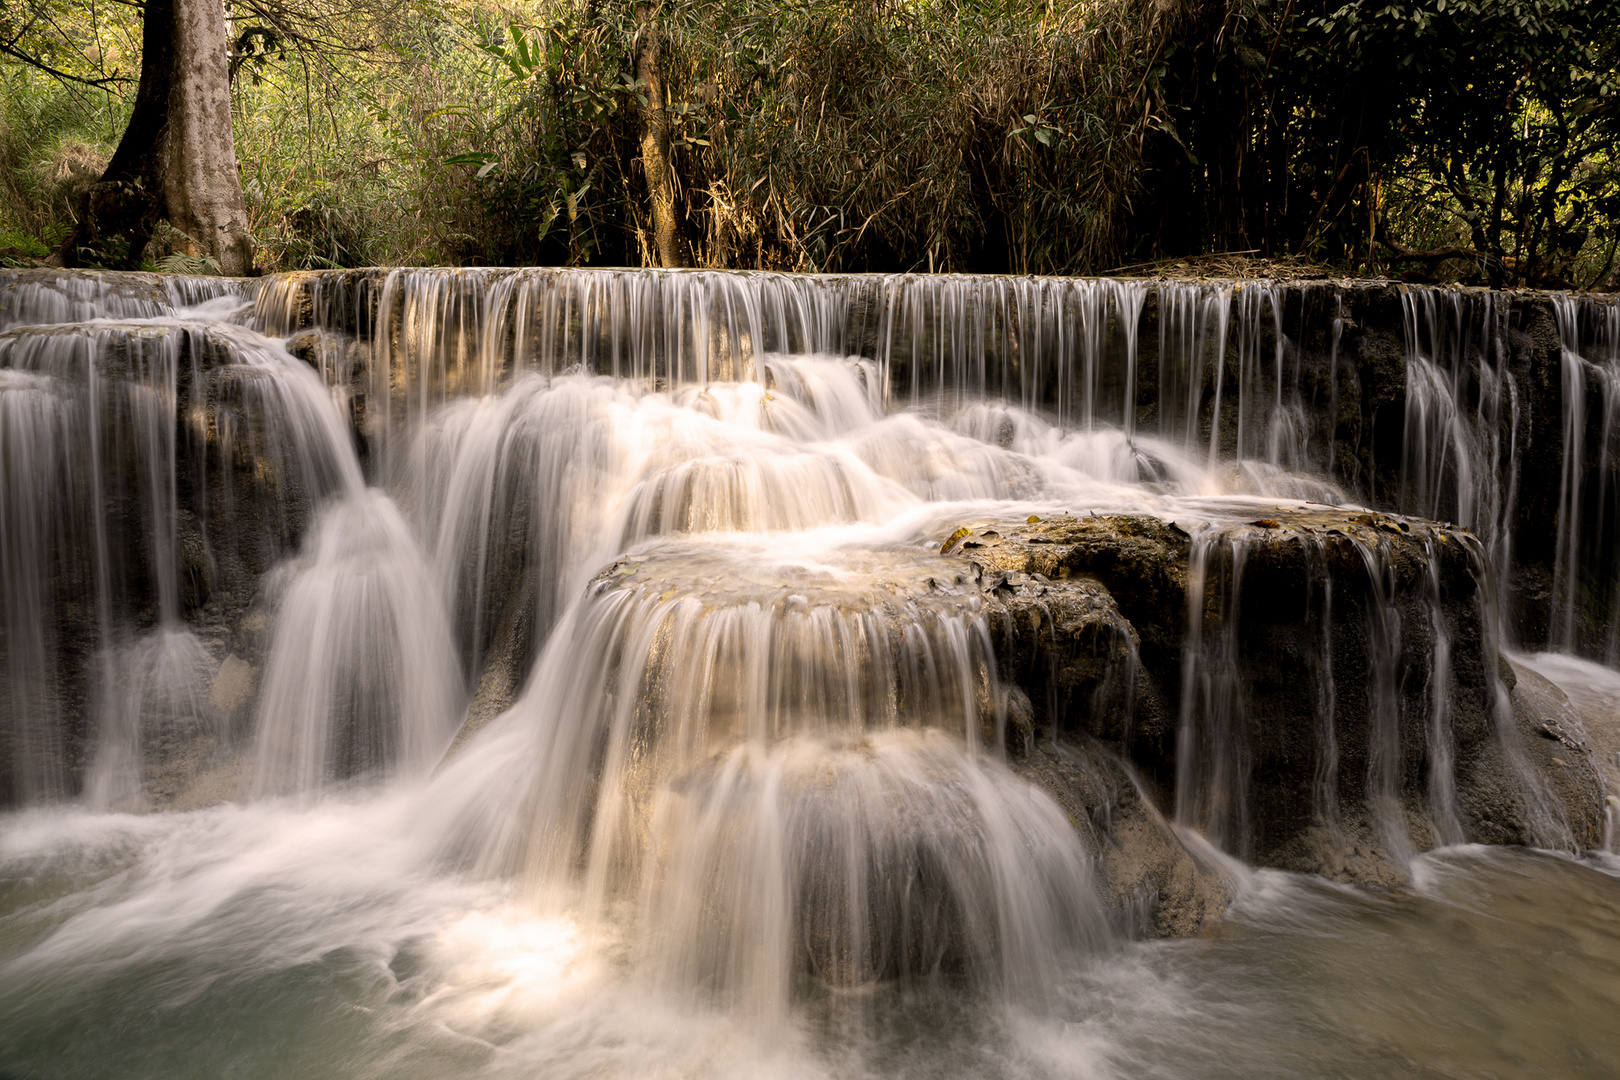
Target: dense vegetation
[(1465, 139)]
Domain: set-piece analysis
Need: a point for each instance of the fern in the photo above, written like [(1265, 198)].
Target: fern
[(191, 265)]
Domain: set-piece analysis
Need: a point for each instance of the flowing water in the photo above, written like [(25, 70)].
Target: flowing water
[(280, 940), (552, 674)]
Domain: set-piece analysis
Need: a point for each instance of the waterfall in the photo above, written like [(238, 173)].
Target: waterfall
[(1401, 653), (1470, 428), (1586, 583), (1212, 778), (805, 635), (34, 467), (152, 448), (789, 761), (361, 679), (1456, 381)]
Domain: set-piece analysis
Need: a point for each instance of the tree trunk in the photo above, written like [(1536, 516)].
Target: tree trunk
[(655, 164), (117, 214), (203, 191), (177, 159)]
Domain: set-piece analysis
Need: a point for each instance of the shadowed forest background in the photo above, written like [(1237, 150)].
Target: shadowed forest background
[(1467, 140)]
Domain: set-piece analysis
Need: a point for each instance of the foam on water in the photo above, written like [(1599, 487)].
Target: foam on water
[(226, 929)]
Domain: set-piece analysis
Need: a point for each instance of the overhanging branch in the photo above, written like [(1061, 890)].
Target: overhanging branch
[(57, 73)]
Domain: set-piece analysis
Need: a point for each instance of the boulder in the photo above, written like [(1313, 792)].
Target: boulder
[(1316, 689), (1157, 885)]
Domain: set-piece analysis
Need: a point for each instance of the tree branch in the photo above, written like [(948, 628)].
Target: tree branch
[(58, 73)]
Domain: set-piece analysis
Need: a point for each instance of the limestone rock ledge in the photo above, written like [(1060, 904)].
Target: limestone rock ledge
[(1316, 689)]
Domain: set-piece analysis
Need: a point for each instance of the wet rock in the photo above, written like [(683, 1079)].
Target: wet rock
[(1551, 745), (1068, 640), (501, 672), (1345, 708), (1155, 884), (233, 686), (344, 365)]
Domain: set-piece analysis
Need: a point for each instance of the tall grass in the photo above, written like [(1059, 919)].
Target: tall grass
[(811, 134), (1000, 136), (55, 140)]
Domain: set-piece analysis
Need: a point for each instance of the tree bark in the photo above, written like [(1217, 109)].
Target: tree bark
[(655, 164), (204, 193), (177, 159), (117, 214)]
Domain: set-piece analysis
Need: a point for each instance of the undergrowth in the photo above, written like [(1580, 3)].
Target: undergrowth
[(1020, 136)]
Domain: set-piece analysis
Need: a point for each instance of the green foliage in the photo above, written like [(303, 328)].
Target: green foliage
[(827, 135), (550, 166), (1468, 138), (340, 142), (64, 66), (86, 43), (1508, 111), (54, 140), (810, 135), (196, 266), (20, 244), (1471, 133), (999, 136)]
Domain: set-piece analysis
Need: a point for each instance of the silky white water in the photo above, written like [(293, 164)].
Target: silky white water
[(278, 939), (730, 794)]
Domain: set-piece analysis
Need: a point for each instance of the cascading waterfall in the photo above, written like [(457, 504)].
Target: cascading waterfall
[(110, 393), (1452, 460), (1068, 345), (786, 760), (1384, 721), (690, 614), (1193, 321), (1212, 781), (1397, 646), (463, 374), (361, 678), (97, 538), (34, 467), (1587, 578), (1468, 431), (1442, 786)]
